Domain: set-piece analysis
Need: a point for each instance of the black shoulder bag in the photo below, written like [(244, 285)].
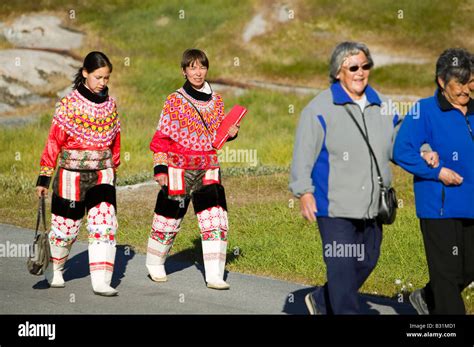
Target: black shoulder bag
[(388, 199), (40, 252)]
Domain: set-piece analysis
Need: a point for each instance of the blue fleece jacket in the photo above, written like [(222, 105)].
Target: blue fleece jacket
[(450, 133)]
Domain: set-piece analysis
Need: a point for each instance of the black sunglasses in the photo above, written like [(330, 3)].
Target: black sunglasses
[(355, 68)]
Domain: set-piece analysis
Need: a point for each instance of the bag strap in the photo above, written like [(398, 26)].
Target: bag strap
[(199, 113), (379, 174), (41, 215)]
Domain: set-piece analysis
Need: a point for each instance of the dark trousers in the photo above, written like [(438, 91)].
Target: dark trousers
[(351, 248), (449, 247)]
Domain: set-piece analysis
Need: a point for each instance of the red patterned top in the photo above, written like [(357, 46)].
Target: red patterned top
[(181, 139), (81, 124)]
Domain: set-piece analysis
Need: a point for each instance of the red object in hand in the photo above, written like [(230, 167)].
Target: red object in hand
[(233, 118)]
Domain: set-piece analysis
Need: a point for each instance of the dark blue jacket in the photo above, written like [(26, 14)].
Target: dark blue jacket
[(436, 122)]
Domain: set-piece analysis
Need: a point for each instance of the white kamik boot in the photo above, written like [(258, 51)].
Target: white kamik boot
[(214, 254), (166, 230), (54, 272), (101, 264), (155, 259)]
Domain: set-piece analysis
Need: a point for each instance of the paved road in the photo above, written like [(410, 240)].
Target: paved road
[(184, 293)]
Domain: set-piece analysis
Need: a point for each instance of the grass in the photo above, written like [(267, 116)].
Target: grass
[(144, 40), (399, 78), (267, 235)]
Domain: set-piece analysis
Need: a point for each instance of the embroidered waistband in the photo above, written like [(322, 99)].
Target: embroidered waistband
[(75, 159), (193, 161)]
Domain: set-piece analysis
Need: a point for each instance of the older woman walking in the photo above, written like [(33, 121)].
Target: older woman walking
[(444, 195), (335, 176)]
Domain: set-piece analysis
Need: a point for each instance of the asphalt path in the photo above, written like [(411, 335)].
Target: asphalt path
[(184, 293)]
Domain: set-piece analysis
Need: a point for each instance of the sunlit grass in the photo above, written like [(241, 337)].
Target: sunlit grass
[(145, 39)]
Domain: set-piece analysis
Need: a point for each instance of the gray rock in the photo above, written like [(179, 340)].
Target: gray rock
[(257, 26), (34, 67), (16, 95), (25, 73), (41, 31), (5, 108), (65, 91), (13, 89)]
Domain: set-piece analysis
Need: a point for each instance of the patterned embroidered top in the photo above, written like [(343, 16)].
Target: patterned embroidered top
[(181, 139), (89, 123), (84, 126)]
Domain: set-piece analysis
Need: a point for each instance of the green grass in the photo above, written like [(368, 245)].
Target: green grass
[(413, 24), (267, 234), (267, 230), (399, 77)]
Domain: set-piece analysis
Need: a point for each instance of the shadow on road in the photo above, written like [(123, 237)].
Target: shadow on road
[(192, 257), (78, 267), (294, 304), (124, 254)]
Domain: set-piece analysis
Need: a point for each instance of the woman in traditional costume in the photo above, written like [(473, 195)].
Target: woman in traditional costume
[(186, 167), (85, 135)]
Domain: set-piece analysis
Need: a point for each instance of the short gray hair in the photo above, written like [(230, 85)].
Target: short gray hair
[(454, 63), (341, 52)]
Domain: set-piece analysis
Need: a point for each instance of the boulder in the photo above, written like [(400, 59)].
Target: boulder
[(41, 31), (34, 67), (13, 94)]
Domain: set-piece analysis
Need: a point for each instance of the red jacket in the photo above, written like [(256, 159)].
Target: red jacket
[(181, 139), (58, 139), (84, 125)]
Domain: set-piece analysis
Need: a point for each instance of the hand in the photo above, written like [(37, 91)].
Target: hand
[(162, 180), (40, 191), (431, 158), (308, 206), (233, 130), (449, 177)]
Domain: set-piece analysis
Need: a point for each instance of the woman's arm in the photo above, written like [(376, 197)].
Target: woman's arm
[(413, 133), (308, 142), (56, 139), (115, 148), (160, 145)]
